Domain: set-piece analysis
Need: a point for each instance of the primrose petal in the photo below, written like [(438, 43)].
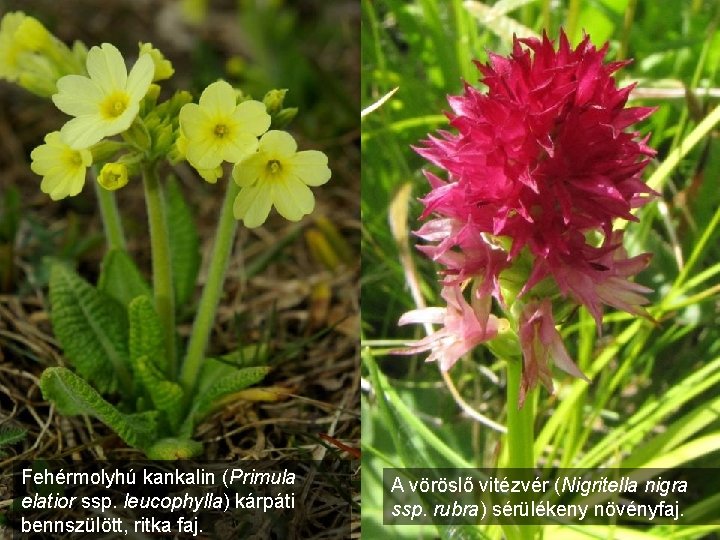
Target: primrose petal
[(211, 175), (106, 67), (252, 205), (76, 184), (278, 143), (77, 95), (204, 153), (311, 167), (236, 148), (218, 98), (163, 68), (50, 184), (293, 199), (124, 121), (141, 75), (194, 122), (253, 117), (82, 132), (247, 172)]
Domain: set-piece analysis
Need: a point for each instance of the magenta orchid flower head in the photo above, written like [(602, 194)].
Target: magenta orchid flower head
[(535, 167)]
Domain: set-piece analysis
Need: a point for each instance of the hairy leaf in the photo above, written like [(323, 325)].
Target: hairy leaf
[(120, 277), (238, 379), (72, 395), (247, 356), (146, 353), (10, 435), (91, 327), (184, 244), (167, 396), (146, 332)]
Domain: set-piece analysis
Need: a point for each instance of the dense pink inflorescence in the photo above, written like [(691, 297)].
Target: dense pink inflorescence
[(542, 160), (542, 157)]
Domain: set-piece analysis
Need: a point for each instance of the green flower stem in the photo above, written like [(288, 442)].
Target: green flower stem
[(110, 216), (520, 431), (161, 262), (224, 240), (520, 438)]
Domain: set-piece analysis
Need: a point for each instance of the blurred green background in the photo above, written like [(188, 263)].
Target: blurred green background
[(653, 400)]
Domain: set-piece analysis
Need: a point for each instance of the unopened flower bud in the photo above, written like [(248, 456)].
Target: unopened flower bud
[(284, 117), (113, 176), (163, 67), (273, 100)]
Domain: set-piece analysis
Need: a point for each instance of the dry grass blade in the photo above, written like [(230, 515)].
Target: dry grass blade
[(379, 103)]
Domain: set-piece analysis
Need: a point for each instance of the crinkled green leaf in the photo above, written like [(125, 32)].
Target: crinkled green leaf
[(184, 244), (120, 277), (230, 382), (248, 356), (92, 329), (146, 353), (167, 396), (146, 332), (72, 395), (216, 372)]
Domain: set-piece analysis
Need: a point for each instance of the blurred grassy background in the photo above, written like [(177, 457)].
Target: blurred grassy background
[(645, 378)]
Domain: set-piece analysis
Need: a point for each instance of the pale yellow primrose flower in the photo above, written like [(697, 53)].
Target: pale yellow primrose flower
[(108, 101), (219, 129), (62, 168), (278, 175), (113, 176)]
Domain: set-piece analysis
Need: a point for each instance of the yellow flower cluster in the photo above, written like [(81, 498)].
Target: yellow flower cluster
[(103, 103), (270, 172), (103, 99)]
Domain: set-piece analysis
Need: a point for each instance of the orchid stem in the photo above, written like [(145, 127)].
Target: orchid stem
[(202, 326), (161, 262), (520, 431), (520, 437), (110, 216)]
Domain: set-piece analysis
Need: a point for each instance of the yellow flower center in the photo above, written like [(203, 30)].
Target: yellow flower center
[(274, 167), (112, 179), (221, 130), (114, 105), (73, 159)]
